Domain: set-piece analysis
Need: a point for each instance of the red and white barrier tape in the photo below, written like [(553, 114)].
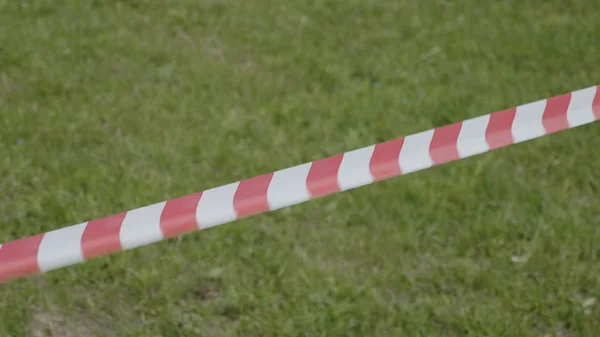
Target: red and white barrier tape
[(294, 185)]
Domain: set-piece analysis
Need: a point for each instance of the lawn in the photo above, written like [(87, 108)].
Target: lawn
[(106, 106)]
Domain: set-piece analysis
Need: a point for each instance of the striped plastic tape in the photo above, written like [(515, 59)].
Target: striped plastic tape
[(294, 185)]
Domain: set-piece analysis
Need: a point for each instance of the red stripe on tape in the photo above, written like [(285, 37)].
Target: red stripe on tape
[(498, 132), (101, 236), (443, 147), (384, 161), (555, 114), (322, 177), (251, 196), (19, 258), (179, 215)]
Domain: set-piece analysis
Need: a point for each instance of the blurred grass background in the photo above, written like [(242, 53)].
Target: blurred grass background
[(110, 105)]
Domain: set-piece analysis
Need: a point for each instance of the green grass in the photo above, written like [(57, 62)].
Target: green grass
[(106, 106)]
